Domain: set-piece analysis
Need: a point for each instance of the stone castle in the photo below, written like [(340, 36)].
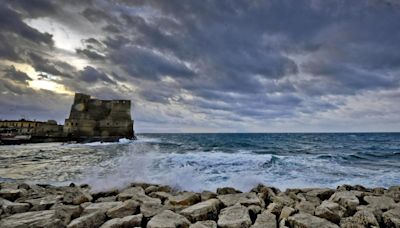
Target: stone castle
[(99, 119)]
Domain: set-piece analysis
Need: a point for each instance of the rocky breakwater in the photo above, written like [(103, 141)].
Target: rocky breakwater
[(157, 206)]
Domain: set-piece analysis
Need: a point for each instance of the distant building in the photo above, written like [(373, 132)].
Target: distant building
[(33, 128), (99, 119)]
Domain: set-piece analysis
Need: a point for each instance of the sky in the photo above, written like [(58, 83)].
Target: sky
[(207, 66)]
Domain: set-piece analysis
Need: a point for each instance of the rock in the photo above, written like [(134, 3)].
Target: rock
[(246, 199), (150, 209), (129, 193), (168, 219), (380, 202), (104, 207), (206, 195), (95, 219), (128, 221), (360, 219), (106, 199), (391, 218), (204, 224), (378, 191), (330, 210), (129, 207), (76, 196), (321, 193), (236, 216), (102, 194), (66, 213), (43, 203), (12, 208), (206, 210), (265, 193), (304, 220), (184, 199), (10, 194), (393, 192), (283, 223), (315, 200), (346, 199), (227, 190), (347, 187), (160, 195), (32, 219), (254, 210), (286, 212), (306, 207), (275, 208), (265, 220), (163, 188)]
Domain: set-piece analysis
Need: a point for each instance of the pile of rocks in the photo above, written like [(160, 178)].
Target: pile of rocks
[(157, 206)]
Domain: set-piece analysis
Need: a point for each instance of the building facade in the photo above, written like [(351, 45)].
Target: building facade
[(49, 128)]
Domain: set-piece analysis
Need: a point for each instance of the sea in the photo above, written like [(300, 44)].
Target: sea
[(199, 162)]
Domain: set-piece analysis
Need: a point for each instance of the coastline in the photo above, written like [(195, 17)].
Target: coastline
[(160, 206)]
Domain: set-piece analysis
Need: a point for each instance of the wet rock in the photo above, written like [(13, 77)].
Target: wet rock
[(286, 212), (265, 193), (330, 210), (246, 199), (76, 196), (236, 216), (168, 219), (150, 209), (204, 224), (206, 195), (160, 195), (393, 192), (304, 220), (106, 199), (346, 199), (391, 218), (24, 186), (129, 207), (66, 213), (10, 194), (32, 219), (206, 210), (95, 219), (265, 220), (227, 190), (104, 207), (380, 202), (347, 187), (378, 191), (315, 200), (184, 199), (360, 219), (128, 221), (43, 203), (306, 207), (129, 193), (12, 208)]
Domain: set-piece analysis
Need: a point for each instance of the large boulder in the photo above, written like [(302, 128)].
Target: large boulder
[(43, 203), (363, 218), (184, 199), (66, 213), (227, 190), (330, 210), (104, 207), (160, 195), (10, 194), (391, 218), (393, 192), (304, 220), (236, 216), (321, 193), (12, 208), (380, 202), (130, 193), (347, 199), (206, 195), (206, 210), (32, 219), (93, 220), (76, 196), (286, 212), (305, 207), (150, 209), (129, 207), (245, 199), (204, 224), (128, 221), (265, 220), (168, 219)]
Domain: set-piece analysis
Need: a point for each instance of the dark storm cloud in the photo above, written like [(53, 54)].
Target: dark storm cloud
[(16, 75), (90, 75)]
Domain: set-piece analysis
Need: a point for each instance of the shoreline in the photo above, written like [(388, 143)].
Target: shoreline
[(161, 206)]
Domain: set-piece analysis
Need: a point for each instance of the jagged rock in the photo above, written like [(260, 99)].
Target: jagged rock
[(306, 207), (102, 194), (378, 191), (246, 199), (150, 209), (347, 187), (160, 195), (24, 186), (206, 195), (227, 190), (265, 193), (391, 218), (393, 192), (95, 219), (330, 210), (128, 221), (321, 193), (129, 193), (380, 202), (66, 213), (304, 220), (360, 219), (204, 224), (129, 207), (76, 196), (106, 199), (206, 210), (346, 199), (254, 210), (153, 188), (236, 216), (168, 219), (10, 194), (275, 208), (286, 212), (43, 203), (265, 220), (184, 199), (315, 200), (94, 207), (12, 208), (32, 219), (283, 200)]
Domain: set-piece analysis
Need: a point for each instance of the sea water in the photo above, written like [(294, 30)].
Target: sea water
[(206, 161)]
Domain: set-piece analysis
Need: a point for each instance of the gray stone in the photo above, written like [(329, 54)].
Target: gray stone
[(32, 219), (151, 209), (206, 210), (347, 199), (10, 194), (12, 208), (236, 216), (125, 222), (103, 194), (275, 208), (204, 224), (393, 192), (283, 200), (330, 210), (360, 219), (286, 212), (321, 193), (227, 190), (206, 195), (93, 220), (168, 219), (304, 220), (106, 199), (246, 199), (184, 199), (129, 193), (66, 213), (305, 207), (160, 195), (129, 207), (391, 218), (265, 220), (76, 196), (380, 202), (104, 207), (43, 203)]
